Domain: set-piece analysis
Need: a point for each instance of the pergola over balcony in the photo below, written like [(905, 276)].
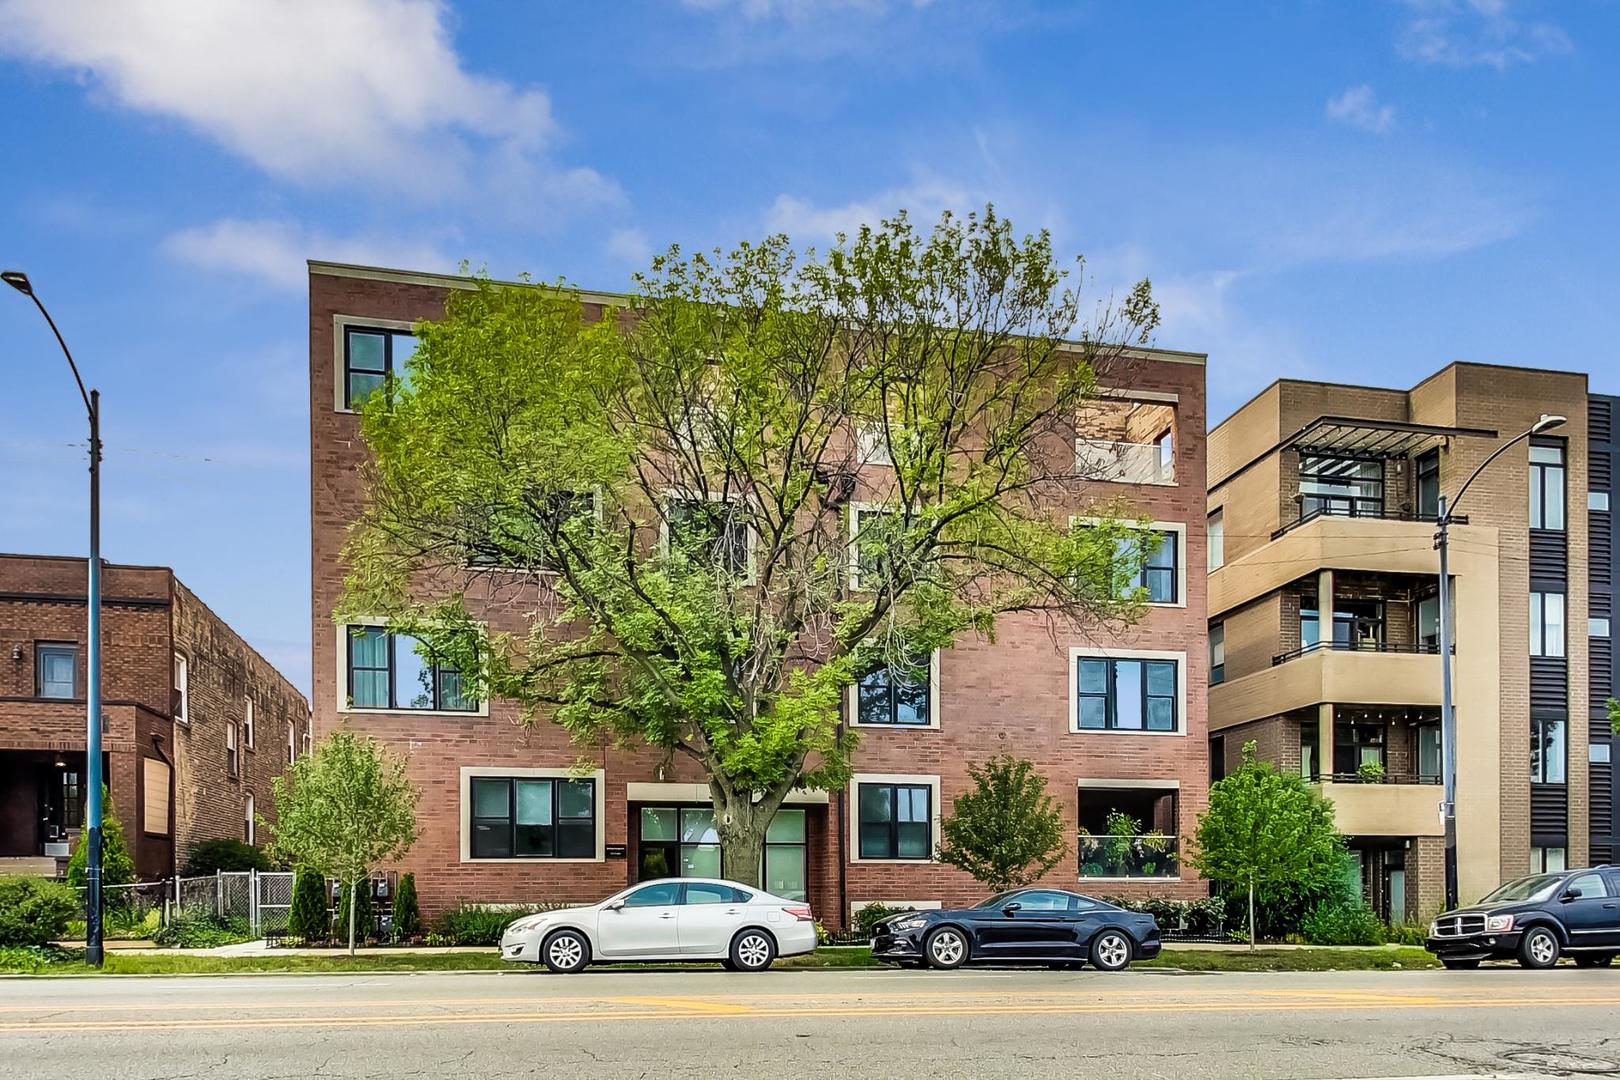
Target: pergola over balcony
[(1350, 437)]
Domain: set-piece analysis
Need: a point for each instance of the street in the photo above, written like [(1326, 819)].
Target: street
[(790, 1025)]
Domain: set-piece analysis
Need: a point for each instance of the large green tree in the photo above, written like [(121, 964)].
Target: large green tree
[(343, 811), (1006, 831), (658, 503), (1268, 832)]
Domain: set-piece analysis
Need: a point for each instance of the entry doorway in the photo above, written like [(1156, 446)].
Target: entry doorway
[(1381, 868), (681, 841)]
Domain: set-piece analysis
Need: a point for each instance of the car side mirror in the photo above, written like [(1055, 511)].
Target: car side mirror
[(615, 905), (1572, 893), (1012, 908)]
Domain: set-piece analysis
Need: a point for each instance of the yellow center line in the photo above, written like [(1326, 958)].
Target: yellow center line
[(741, 1012)]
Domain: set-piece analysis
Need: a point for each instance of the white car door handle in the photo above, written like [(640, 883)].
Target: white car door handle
[(738, 910), (667, 915)]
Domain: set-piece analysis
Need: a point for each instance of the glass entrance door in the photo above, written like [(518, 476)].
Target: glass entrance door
[(681, 841)]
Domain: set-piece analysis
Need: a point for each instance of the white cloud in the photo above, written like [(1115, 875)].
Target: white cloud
[(923, 201), (275, 251), (800, 10), (316, 91), (630, 246), (1359, 108), (1476, 33)]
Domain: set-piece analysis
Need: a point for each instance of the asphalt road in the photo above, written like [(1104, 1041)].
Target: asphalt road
[(821, 1024)]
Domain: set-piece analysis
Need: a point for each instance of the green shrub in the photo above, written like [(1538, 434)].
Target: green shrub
[(479, 924), (1412, 933), (310, 917), (1202, 916), (225, 853), (200, 930), (822, 936), (35, 911), (365, 924), (1340, 923), (117, 868), (407, 916), (28, 959), (869, 916), (128, 922)]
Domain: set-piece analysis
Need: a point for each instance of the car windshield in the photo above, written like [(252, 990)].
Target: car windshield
[(1535, 887), (998, 900)]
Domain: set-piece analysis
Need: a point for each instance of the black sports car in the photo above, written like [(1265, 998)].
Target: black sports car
[(1050, 925)]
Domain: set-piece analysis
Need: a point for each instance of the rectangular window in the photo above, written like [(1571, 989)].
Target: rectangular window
[(292, 742), (54, 666), (895, 695), (1164, 456), (233, 761), (1597, 500), (896, 821), (515, 818), (1547, 860), (1428, 484), (714, 532), (1156, 581), (181, 705), (1546, 624), (1309, 765), (155, 797), (1217, 541), (1217, 654), (527, 540), (1547, 486), (1429, 753), (1126, 695), (1597, 627), (873, 533), (1355, 745), (1428, 622), (370, 356), (1349, 487), (248, 726), (786, 872), (249, 825), (1357, 624), (397, 671), (1548, 751)]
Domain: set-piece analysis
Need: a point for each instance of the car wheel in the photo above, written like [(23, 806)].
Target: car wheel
[(752, 950), (1459, 965), (1110, 951), (566, 952), (1589, 960), (946, 948), (1538, 948)]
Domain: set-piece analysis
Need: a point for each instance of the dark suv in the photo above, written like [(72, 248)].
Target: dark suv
[(1536, 920)]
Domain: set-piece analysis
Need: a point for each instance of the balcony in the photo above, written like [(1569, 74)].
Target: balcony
[(1124, 462), (1150, 856), (1386, 809), (1418, 647), (1361, 510), (1316, 676)]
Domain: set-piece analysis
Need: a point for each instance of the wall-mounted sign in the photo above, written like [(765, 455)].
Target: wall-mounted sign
[(614, 851)]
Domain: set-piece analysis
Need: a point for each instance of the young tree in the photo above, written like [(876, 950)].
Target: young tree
[(1267, 831), (687, 470), (310, 917), (1007, 832), (117, 867), (407, 914), (343, 810)]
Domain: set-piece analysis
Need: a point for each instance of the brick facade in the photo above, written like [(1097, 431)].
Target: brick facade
[(147, 617), (1012, 695)]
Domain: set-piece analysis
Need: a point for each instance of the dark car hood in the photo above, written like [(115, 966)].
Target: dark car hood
[(1497, 908)]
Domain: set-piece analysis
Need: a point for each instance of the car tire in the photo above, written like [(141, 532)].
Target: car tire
[(1459, 965), (752, 950), (946, 948), (728, 965), (1538, 948), (1587, 960), (566, 952), (1111, 951)]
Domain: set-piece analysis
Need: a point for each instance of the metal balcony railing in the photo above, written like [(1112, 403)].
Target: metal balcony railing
[(1153, 855), (1403, 778), (1422, 647), (1375, 513), (1123, 462)]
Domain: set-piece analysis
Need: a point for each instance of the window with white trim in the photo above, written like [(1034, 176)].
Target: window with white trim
[(1547, 486), (182, 693), (292, 742), (872, 533), (248, 725), (896, 695), (1127, 694), (523, 818), (233, 760), (400, 672), (370, 356), (1548, 750), (55, 664), (1546, 624), (1216, 539), (249, 826), (895, 820), (1547, 860), (712, 530)]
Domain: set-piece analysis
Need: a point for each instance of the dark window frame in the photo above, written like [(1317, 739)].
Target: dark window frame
[(388, 335), (440, 671), (892, 689), (733, 554), (558, 507), (1217, 671), (1110, 694), (1426, 481), (1339, 504), (1539, 626), (869, 828), (510, 821), (1541, 742), (42, 649), (1541, 485), (1170, 576)]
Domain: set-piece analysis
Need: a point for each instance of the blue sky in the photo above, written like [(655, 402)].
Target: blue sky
[(1359, 192)]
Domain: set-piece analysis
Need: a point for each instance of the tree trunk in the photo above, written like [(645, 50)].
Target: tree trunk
[(741, 824), (352, 906), (1251, 916)]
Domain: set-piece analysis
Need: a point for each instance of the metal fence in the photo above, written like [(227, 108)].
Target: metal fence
[(260, 899)]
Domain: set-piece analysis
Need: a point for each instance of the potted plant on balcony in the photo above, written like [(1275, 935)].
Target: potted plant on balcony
[(1155, 846), (1121, 845), (1370, 772)]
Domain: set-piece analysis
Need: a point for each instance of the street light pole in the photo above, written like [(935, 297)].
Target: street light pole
[(1444, 514), (92, 690)]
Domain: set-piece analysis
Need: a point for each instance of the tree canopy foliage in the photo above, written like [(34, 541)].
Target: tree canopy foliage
[(1006, 831)]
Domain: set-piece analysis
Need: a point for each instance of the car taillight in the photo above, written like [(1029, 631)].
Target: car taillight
[(800, 912)]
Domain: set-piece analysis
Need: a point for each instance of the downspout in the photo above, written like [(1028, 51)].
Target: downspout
[(843, 842)]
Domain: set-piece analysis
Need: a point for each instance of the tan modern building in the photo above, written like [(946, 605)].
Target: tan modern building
[(1324, 618)]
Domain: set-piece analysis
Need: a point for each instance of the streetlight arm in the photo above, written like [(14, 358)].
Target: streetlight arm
[(89, 408), (1538, 426)]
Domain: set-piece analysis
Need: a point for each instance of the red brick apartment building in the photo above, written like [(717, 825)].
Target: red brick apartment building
[(637, 818), (195, 723)]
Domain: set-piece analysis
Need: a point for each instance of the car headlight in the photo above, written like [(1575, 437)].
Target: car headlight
[(908, 924), (1434, 928), (527, 923), (1496, 924)]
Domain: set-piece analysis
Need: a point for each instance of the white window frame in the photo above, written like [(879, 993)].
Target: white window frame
[(342, 689), (870, 446), (233, 752), (1599, 626), (1598, 501), (1539, 624), (292, 742), (852, 815), (1215, 539), (252, 825), (464, 808), (853, 528), (1076, 653), (1179, 528), (1539, 862), (852, 699), (182, 685), (249, 732), (751, 543), (1085, 784)]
